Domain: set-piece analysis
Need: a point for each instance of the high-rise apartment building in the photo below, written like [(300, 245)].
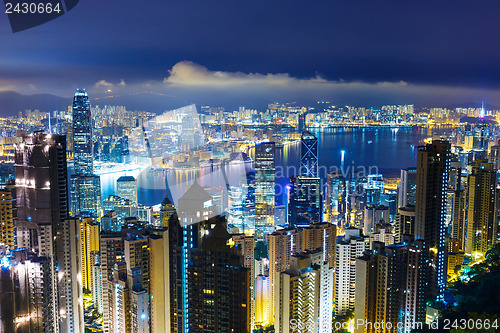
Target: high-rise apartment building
[(304, 295), (352, 247), (481, 228), (89, 238), (390, 287), (218, 289), (6, 218), (433, 167)]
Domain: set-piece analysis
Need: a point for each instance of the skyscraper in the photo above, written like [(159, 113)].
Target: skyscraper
[(43, 227), (305, 205), (433, 166), (219, 287), (408, 187), (390, 287), (41, 191), (89, 238), (305, 302), (85, 187), (82, 134), (264, 189), (126, 188), (481, 230), (352, 247), (6, 218), (308, 154)]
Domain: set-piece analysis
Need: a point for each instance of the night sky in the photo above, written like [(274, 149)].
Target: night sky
[(229, 52)]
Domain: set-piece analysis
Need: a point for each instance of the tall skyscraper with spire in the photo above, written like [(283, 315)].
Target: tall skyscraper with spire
[(85, 187), (82, 134)]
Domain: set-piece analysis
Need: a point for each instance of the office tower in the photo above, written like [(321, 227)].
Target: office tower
[(305, 204), (390, 287), (145, 215), (336, 199), (82, 134), (305, 302), (126, 188), (374, 215), (481, 230), (218, 289), (89, 237), (160, 280), (249, 202), (495, 156), (352, 247), (41, 191), (405, 222), (85, 192), (433, 167), (264, 189), (480, 134), (308, 155), (246, 245), (167, 209), (407, 188), (302, 122), (6, 218), (235, 218), (109, 222), (85, 187), (187, 138), (124, 208)]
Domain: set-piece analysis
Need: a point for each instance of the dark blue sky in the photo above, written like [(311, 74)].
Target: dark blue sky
[(365, 48)]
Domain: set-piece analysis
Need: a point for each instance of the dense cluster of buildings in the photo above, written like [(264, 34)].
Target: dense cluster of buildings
[(345, 246)]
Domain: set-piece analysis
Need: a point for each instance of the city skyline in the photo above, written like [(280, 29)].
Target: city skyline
[(249, 167)]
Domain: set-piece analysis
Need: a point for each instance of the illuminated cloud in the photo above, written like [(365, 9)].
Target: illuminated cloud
[(103, 83), (187, 73)]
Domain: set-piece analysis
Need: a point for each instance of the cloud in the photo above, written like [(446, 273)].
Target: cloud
[(103, 83), (187, 73), (122, 83)]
